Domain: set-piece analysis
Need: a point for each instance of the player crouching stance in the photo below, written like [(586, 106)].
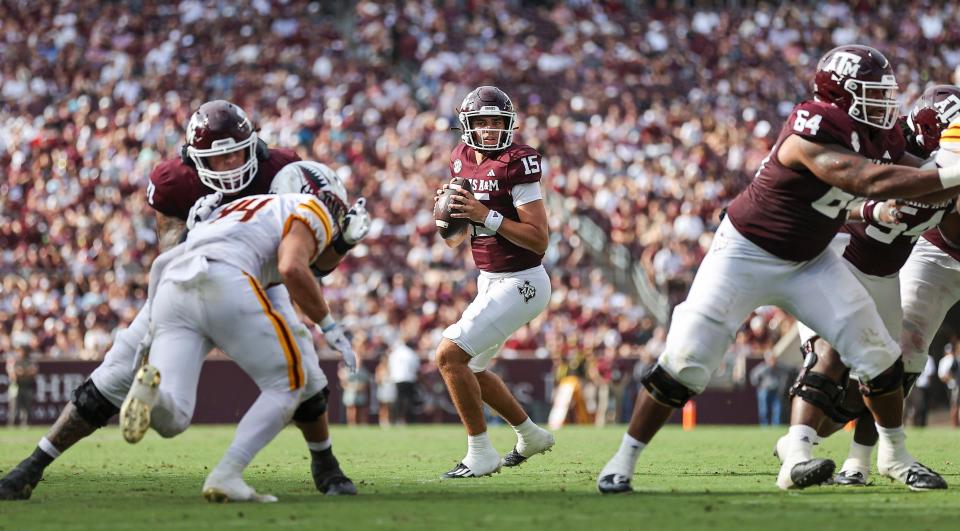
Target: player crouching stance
[(509, 235), (772, 248), (209, 291)]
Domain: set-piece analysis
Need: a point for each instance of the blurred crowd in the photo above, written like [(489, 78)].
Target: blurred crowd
[(649, 117)]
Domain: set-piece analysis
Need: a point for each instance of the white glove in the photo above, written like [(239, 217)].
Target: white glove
[(337, 339), (356, 224), (202, 209)]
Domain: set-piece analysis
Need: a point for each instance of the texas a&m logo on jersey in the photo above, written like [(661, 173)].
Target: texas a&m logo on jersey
[(457, 166), (843, 64)]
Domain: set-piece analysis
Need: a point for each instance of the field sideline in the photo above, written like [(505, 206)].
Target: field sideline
[(712, 477)]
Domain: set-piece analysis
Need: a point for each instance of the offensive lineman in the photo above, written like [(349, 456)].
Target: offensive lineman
[(509, 234), (877, 251), (222, 154), (770, 249)]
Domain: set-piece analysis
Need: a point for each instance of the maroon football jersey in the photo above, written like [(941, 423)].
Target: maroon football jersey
[(792, 214), (492, 181), (881, 250), (174, 186)]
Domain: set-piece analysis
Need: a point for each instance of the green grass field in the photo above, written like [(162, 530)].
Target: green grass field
[(715, 478)]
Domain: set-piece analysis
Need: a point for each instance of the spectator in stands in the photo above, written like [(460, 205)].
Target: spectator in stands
[(769, 380), (22, 385), (949, 373)]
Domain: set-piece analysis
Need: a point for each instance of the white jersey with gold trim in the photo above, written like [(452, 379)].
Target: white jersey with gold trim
[(246, 233)]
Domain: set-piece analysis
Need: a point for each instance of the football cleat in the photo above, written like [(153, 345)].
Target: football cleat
[(805, 473), (135, 411), (515, 457), (223, 488), (463, 471), (850, 478), (614, 484), (19, 483), (916, 476), (329, 478)]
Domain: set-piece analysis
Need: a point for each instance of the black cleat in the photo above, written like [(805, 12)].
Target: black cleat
[(849, 478), (327, 476), (812, 472), (920, 478), (614, 484), (513, 458), (19, 483)]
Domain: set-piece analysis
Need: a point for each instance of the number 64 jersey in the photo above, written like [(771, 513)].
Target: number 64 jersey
[(246, 233), (791, 213)]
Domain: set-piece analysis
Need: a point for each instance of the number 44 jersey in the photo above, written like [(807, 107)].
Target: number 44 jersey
[(791, 213), (246, 233)]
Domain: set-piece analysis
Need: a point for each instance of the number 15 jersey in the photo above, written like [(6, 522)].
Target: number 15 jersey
[(246, 233), (791, 213)]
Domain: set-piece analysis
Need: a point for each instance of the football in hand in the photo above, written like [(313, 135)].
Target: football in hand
[(448, 226)]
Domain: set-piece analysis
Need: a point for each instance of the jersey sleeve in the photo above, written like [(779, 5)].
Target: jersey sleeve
[(823, 124), (309, 211), (172, 190), (524, 166), (524, 193)]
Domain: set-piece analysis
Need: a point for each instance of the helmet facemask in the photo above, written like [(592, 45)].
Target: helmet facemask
[(874, 102), (475, 141), (229, 181)]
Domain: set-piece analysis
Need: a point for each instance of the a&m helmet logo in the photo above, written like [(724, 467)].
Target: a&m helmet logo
[(844, 64)]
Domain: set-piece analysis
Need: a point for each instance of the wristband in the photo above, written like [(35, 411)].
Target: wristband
[(493, 221), (327, 324), (950, 176), (341, 246), (866, 211)]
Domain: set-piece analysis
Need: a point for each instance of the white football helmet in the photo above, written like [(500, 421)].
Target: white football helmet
[(309, 177)]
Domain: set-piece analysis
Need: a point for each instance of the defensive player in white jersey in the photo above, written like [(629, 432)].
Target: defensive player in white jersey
[(772, 249), (210, 291)]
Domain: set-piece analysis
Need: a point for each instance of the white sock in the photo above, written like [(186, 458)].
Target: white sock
[(625, 460), (859, 456), (320, 446), (479, 451), (799, 447), (892, 448), (261, 423), (526, 432), (48, 448)]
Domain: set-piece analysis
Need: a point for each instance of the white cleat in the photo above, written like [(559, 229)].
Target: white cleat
[(543, 443), (222, 489), (912, 474), (135, 411), (475, 467)]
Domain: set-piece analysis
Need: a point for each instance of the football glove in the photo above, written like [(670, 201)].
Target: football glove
[(356, 224), (337, 339), (202, 209)]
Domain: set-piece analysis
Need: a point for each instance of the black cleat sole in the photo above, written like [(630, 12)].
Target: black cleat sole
[(812, 472)]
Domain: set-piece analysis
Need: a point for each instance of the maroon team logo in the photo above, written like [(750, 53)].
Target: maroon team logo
[(527, 291)]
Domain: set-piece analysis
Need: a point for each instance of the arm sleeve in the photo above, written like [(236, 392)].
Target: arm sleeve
[(524, 193)]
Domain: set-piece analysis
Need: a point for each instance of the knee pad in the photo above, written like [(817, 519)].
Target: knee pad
[(91, 405), (312, 408), (889, 381), (819, 390), (665, 388)]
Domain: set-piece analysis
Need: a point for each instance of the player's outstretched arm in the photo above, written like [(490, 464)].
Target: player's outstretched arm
[(293, 262), (854, 173)]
